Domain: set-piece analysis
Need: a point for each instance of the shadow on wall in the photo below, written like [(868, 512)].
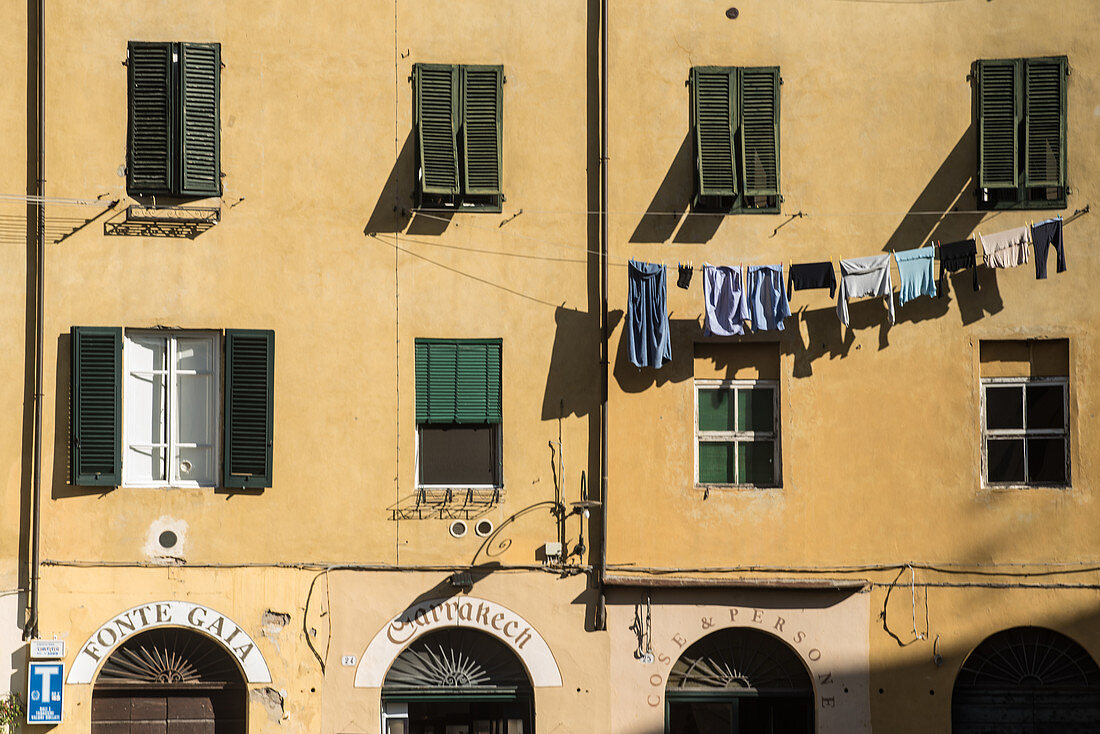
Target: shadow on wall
[(391, 211), (669, 214), (62, 449), (572, 385)]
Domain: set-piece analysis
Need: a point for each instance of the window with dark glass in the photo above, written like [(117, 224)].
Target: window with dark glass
[(1025, 431), (458, 412), (737, 432)]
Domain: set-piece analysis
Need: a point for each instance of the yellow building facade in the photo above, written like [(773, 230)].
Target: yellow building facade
[(340, 426)]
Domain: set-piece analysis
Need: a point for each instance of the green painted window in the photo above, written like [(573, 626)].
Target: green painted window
[(1020, 109), (735, 132), (173, 138), (737, 434), (458, 120), (96, 406), (458, 412)]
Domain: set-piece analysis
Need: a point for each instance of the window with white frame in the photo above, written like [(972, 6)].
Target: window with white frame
[(170, 405), (737, 433), (1025, 431)]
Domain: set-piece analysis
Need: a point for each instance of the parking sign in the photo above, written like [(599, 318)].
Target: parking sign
[(45, 688)]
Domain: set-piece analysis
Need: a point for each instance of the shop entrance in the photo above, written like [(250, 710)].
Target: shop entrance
[(1027, 680), (739, 681), (169, 681), (457, 681)]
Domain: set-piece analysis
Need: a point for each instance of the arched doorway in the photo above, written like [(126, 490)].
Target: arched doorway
[(457, 681), (169, 681), (739, 681), (1027, 680)]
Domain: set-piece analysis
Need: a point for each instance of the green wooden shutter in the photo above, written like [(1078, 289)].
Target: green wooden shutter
[(714, 110), (149, 168), (96, 410), (436, 103), (482, 102), (760, 131), (249, 406), (200, 74), (458, 380), (1045, 122), (998, 123)]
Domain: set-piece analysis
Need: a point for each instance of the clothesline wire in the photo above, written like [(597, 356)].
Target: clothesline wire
[(56, 200), (689, 213)]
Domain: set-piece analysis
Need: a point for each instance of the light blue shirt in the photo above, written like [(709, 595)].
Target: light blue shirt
[(767, 298), (915, 270)]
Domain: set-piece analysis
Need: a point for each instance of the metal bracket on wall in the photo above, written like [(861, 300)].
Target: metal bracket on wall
[(164, 221)]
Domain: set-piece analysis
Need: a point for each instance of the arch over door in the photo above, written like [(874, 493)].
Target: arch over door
[(1027, 680), (739, 681), (169, 681)]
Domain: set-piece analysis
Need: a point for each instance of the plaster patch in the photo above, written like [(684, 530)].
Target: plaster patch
[(166, 530), (271, 624), (272, 702)]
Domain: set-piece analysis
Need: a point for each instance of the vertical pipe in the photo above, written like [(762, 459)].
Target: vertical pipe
[(31, 629), (605, 363)]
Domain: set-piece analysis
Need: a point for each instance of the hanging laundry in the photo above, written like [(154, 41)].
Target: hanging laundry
[(724, 303), (865, 276), (807, 276), (958, 256), (915, 268), (1044, 234), (767, 301), (647, 331), (1006, 249), (683, 280)]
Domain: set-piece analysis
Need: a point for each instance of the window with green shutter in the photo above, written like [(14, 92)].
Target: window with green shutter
[(737, 433), (147, 407), (458, 119), (1020, 110), (735, 132), (174, 137), (458, 412)]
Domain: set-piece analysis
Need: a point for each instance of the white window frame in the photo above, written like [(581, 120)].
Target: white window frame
[(498, 440), (1024, 433), (171, 372), (738, 436)]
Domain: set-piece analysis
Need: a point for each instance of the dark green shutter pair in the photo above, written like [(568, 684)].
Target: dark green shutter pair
[(458, 381), (96, 434), (458, 116), (735, 116), (1021, 101), (173, 137)]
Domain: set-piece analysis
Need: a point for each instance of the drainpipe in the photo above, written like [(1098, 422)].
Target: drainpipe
[(31, 629), (605, 363)]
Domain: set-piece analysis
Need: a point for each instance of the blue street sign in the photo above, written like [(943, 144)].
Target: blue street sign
[(45, 686)]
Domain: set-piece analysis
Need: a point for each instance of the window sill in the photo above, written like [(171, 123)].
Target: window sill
[(1018, 487), (736, 487)]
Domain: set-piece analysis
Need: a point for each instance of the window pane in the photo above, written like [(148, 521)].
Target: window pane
[(195, 464), (1046, 460), (1006, 460), (716, 463), (755, 409), (1045, 406), (716, 410), (756, 462), (144, 464), (195, 412), (145, 353), (1004, 407), (145, 399), (195, 354), (700, 718), (458, 455)]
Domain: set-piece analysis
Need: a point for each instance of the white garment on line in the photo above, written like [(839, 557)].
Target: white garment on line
[(865, 276), (1006, 249)]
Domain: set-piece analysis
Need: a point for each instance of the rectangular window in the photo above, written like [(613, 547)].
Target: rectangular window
[(1021, 117), (458, 118), (458, 412), (149, 406), (170, 400), (737, 432), (174, 137), (1025, 412), (1025, 431), (735, 128)]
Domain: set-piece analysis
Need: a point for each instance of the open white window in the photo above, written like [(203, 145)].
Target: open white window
[(170, 401)]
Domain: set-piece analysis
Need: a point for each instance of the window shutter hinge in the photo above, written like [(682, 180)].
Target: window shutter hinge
[(780, 81)]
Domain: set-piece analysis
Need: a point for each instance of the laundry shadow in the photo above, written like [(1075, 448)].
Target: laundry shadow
[(671, 202), (395, 204), (683, 333), (572, 386)]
